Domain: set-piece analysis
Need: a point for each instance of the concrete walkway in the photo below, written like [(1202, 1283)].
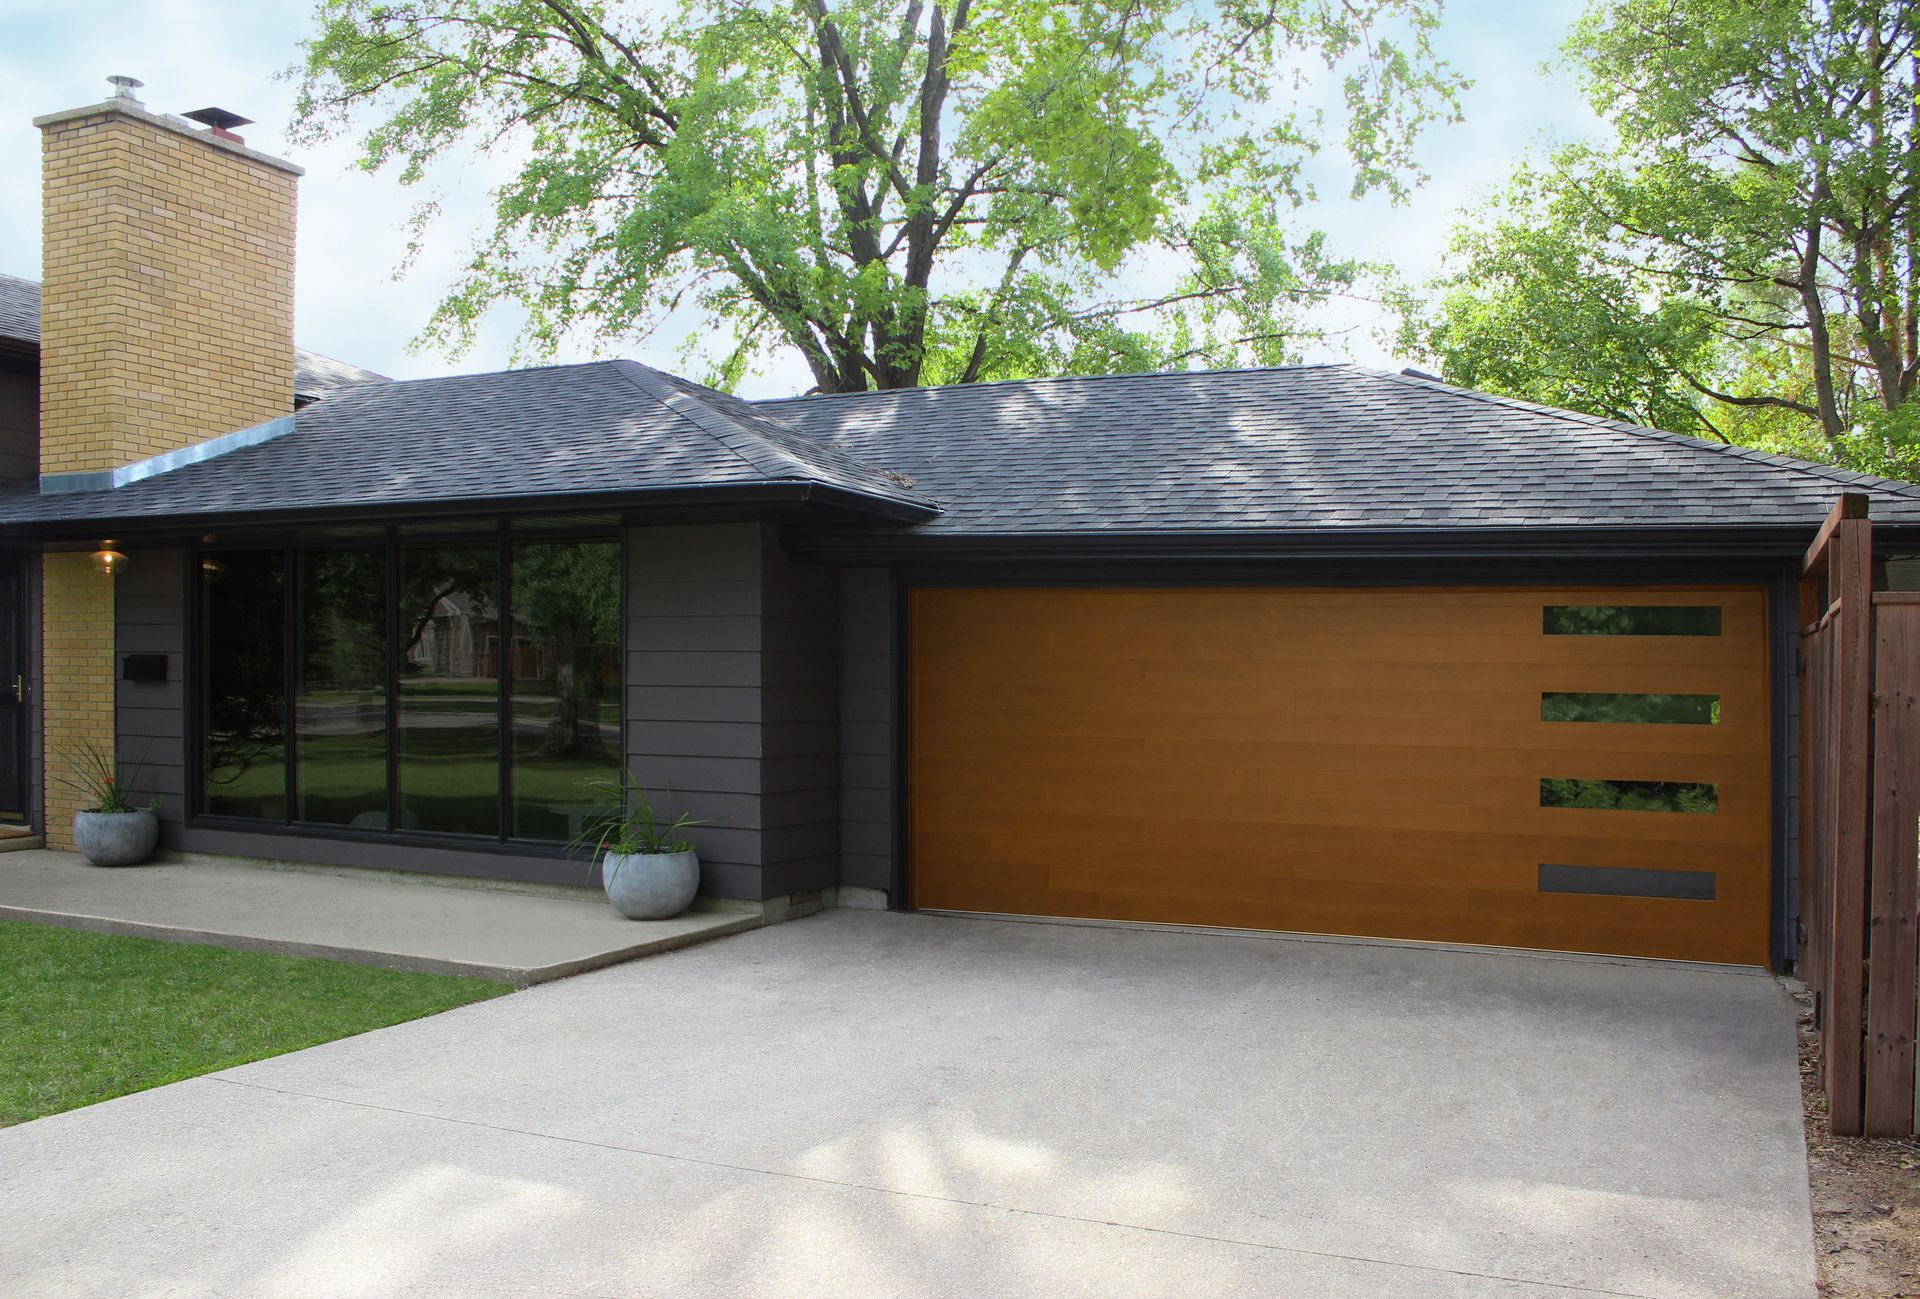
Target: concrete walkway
[(864, 1103), (368, 918)]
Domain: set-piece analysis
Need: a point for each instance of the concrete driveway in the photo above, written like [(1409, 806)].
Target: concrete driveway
[(871, 1104)]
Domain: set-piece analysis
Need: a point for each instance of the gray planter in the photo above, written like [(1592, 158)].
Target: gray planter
[(116, 838), (651, 886)]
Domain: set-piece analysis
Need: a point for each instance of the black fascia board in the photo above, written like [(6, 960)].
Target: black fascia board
[(1755, 541), (837, 501)]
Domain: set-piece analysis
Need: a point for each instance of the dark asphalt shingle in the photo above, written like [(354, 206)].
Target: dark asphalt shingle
[(1301, 448), (314, 376), (1327, 446), (609, 426)]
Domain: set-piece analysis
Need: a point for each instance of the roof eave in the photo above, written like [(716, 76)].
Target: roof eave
[(797, 493), (1719, 542)]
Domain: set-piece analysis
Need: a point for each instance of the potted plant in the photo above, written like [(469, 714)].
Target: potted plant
[(110, 831), (649, 870)]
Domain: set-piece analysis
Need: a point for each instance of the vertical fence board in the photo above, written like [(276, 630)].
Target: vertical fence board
[(1892, 963), (1816, 817), (1850, 579)]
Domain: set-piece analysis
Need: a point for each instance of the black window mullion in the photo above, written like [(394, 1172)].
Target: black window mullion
[(290, 578), (503, 669), (392, 552)]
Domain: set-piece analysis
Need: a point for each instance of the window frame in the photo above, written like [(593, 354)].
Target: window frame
[(388, 540)]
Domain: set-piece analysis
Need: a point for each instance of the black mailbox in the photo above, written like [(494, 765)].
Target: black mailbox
[(144, 667)]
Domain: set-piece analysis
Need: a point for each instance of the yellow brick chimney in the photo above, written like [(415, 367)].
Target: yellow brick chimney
[(166, 318)]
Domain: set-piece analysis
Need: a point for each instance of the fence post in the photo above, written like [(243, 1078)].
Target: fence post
[(1892, 965)]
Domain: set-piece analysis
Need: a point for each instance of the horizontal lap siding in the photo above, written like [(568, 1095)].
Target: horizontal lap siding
[(150, 614), (800, 786), (867, 686), (732, 702)]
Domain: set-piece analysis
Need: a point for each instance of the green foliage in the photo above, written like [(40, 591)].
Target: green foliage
[(901, 192), (626, 823), (1631, 795), (1744, 264), (87, 1017), (91, 773)]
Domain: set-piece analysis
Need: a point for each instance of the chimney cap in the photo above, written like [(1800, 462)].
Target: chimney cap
[(124, 86), (218, 118)]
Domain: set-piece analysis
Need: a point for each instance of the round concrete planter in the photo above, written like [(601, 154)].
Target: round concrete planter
[(651, 886), (116, 838)]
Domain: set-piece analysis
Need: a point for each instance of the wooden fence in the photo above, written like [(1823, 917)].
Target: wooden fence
[(1860, 826)]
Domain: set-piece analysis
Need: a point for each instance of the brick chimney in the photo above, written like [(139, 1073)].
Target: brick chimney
[(167, 304), (166, 318)]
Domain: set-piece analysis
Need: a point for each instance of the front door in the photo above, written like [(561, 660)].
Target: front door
[(13, 690)]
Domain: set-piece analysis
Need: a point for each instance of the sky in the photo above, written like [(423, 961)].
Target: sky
[(353, 226)]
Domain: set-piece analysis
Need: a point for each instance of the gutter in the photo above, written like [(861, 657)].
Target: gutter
[(1336, 545), (89, 527)]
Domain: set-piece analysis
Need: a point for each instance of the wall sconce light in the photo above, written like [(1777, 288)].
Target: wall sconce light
[(107, 561)]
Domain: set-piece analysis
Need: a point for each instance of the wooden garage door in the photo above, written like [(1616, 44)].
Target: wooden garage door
[(1582, 770)]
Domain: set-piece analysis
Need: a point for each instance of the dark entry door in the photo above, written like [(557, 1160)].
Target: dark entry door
[(13, 689)]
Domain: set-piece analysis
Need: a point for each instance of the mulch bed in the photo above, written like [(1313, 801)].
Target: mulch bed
[(1866, 1197)]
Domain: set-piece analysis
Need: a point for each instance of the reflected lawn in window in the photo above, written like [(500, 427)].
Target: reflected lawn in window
[(565, 683), (246, 728), (449, 704), (1631, 620), (1630, 795), (340, 714), (1682, 710)]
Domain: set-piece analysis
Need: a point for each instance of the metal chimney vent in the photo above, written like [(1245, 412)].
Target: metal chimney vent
[(220, 122), (123, 87)]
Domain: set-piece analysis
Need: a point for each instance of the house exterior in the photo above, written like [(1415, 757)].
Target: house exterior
[(1318, 648)]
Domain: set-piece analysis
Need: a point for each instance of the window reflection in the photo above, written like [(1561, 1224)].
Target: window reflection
[(245, 741), (565, 662), (340, 714), (448, 714)]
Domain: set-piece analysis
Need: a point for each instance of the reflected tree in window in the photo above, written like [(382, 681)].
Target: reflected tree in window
[(449, 718), (245, 755), (566, 678)]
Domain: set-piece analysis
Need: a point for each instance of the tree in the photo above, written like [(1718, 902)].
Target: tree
[(1745, 264), (901, 192)]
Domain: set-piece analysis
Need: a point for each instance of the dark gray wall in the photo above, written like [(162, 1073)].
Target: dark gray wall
[(149, 598), (868, 686), (19, 426), (732, 713)]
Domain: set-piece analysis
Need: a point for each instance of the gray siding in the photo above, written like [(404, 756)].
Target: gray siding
[(19, 426), (150, 609), (868, 686), (731, 701), (800, 782)]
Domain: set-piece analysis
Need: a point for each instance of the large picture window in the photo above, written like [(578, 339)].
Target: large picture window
[(465, 687)]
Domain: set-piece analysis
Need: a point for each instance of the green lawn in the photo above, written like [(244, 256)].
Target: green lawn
[(86, 1017)]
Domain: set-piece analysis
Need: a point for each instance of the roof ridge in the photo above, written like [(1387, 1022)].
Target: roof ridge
[(1050, 379), (1813, 468), (728, 433)]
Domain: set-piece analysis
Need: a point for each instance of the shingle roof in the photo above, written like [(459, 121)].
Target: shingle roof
[(1295, 449), (1305, 447), (559, 431), (19, 310), (314, 376)]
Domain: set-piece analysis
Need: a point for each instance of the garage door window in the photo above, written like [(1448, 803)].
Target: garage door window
[(1664, 710), (1631, 795), (1631, 620)]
